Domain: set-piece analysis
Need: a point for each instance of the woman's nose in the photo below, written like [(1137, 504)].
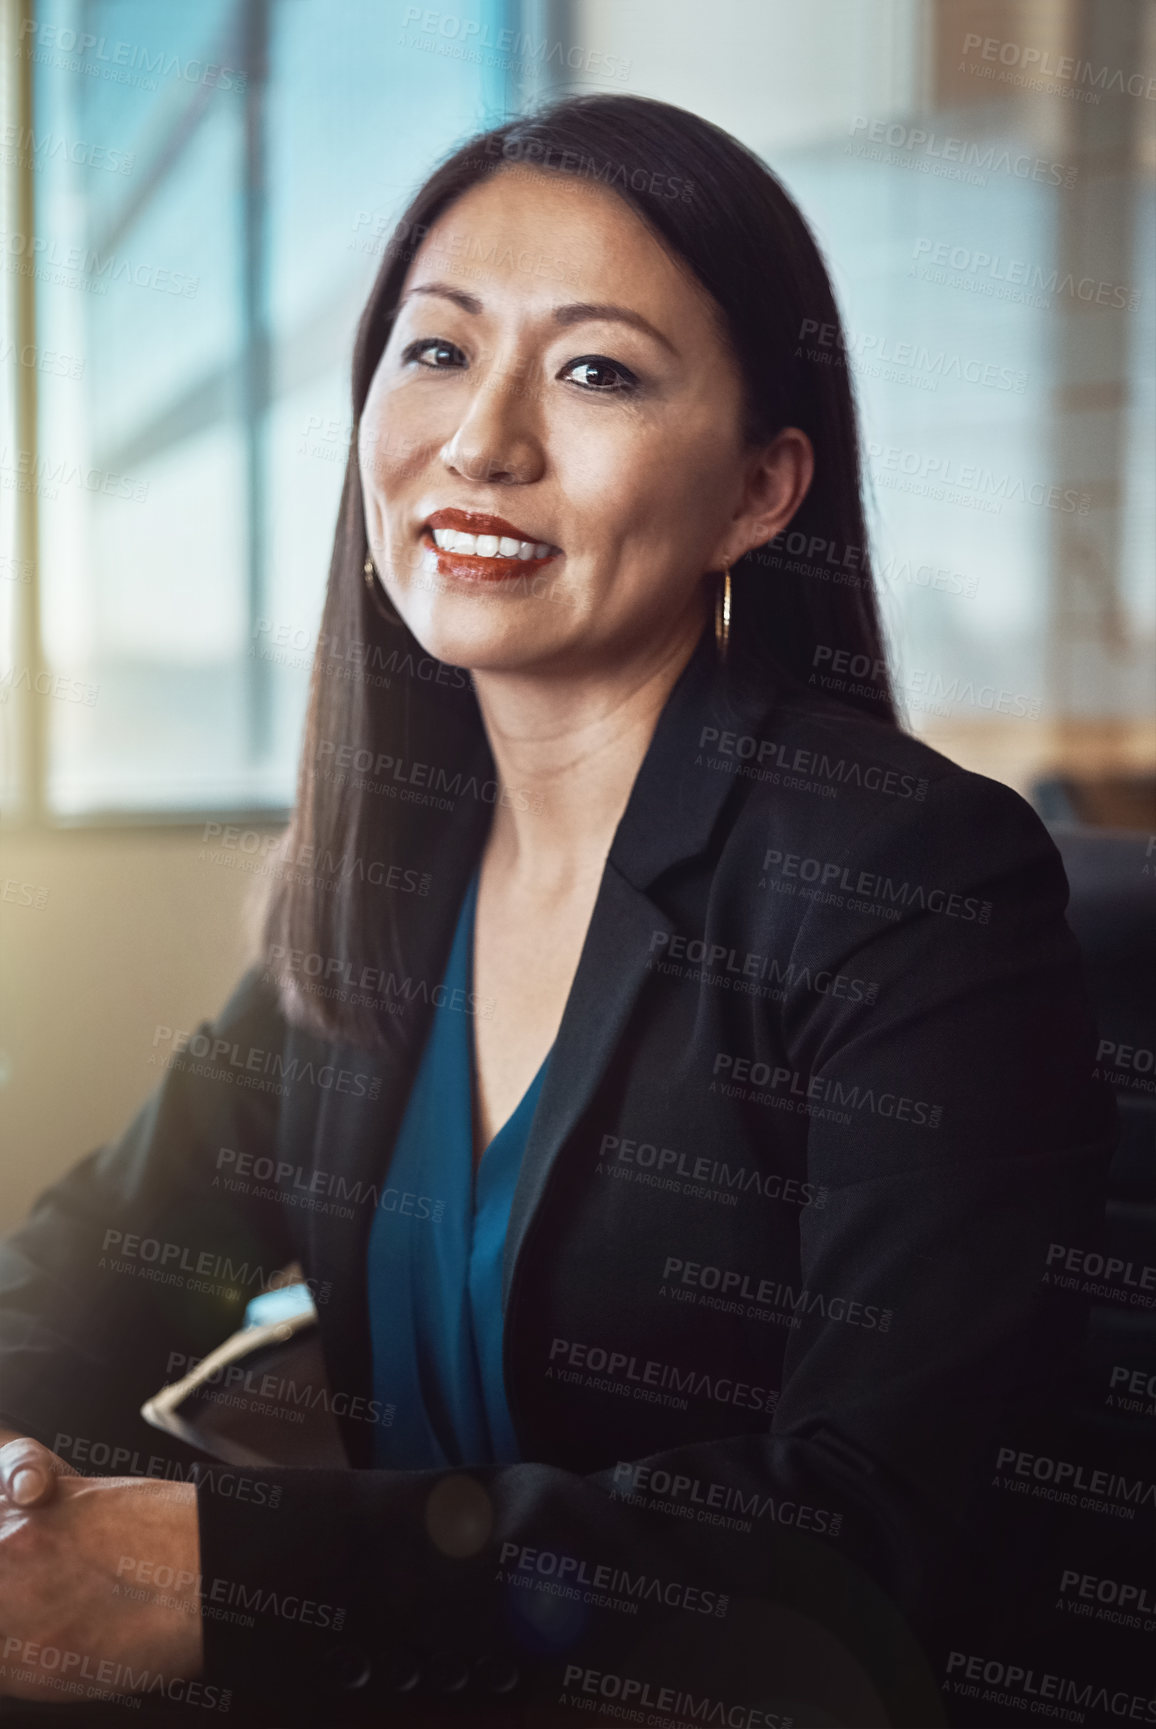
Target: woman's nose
[(497, 439)]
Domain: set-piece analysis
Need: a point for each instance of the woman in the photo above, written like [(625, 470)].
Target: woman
[(688, 1389)]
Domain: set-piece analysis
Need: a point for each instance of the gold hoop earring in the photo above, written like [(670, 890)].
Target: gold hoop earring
[(375, 594), (722, 614)]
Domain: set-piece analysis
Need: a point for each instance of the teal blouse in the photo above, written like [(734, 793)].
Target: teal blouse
[(435, 1259)]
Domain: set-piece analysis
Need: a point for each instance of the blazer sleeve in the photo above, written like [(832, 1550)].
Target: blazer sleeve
[(139, 1257), (957, 1128)]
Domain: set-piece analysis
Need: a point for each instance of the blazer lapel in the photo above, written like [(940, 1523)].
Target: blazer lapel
[(609, 976), (356, 1137), (670, 816)]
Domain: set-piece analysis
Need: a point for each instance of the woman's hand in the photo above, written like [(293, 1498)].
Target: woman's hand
[(80, 1614), (28, 1471)]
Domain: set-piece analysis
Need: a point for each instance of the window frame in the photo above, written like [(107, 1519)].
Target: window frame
[(244, 40)]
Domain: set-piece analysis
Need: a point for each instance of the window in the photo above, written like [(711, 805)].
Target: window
[(212, 186)]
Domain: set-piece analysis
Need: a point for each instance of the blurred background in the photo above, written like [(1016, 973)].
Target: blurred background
[(193, 203)]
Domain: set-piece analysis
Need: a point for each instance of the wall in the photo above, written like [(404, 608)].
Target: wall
[(79, 1013)]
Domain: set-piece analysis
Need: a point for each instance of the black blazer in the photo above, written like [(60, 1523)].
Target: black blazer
[(774, 1288)]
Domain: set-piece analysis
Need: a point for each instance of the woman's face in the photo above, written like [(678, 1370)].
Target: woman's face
[(551, 367)]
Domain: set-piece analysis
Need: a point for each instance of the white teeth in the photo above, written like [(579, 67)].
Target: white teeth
[(488, 545), (446, 539)]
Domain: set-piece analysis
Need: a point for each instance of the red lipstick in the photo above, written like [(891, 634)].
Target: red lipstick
[(477, 567)]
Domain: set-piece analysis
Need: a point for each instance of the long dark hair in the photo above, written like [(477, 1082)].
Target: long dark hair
[(359, 852)]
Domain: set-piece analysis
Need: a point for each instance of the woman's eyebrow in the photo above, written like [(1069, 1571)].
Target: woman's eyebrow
[(577, 312), (445, 291), (581, 311)]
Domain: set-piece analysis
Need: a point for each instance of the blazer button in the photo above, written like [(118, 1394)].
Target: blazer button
[(496, 1675), (349, 1667), (446, 1673), (399, 1670)]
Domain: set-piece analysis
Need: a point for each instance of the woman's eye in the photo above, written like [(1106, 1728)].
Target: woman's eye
[(602, 377), (435, 345)]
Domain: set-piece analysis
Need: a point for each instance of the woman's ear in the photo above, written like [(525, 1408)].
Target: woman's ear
[(777, 479)]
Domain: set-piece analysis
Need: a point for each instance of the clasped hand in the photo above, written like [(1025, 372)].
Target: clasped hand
[(79, 1614)]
